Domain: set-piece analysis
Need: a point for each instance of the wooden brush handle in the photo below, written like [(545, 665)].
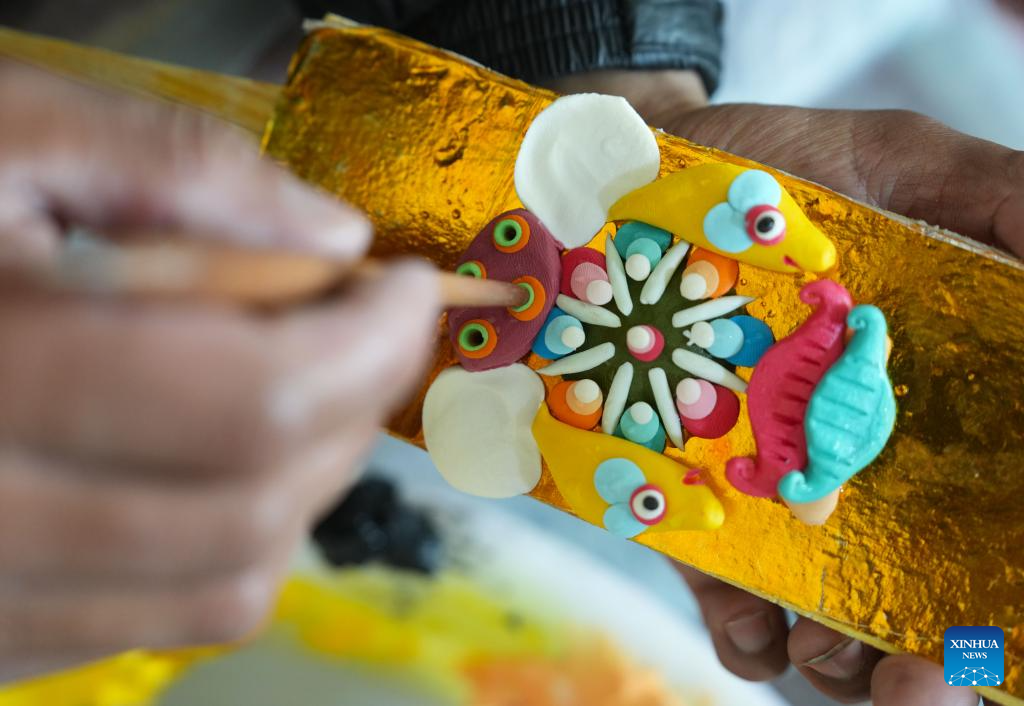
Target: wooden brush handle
[(187, 270)]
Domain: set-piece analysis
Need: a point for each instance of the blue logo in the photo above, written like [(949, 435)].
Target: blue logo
[(973, 656)]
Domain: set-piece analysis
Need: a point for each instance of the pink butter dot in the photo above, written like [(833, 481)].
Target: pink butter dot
[(699, 408), (645, 343), (582, 277)]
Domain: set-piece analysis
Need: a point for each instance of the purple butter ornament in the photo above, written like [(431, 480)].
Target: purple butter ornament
[(513, 247)]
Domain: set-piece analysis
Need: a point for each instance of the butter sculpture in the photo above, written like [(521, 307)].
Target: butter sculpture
[(431, 160), (929, 536)]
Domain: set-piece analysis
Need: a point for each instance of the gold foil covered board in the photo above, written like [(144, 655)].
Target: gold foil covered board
[(929, 536)]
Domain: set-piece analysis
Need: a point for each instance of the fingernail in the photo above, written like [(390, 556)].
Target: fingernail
[(751, 634), (843, 661)]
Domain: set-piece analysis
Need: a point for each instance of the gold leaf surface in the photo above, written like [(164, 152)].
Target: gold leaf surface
[(931, 535)]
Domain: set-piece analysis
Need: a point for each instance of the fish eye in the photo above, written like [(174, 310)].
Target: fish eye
[(766, 225), (648, 504)]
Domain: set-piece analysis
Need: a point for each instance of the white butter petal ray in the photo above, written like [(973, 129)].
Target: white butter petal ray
[(708, 369), (588, 313), (666, 405), (617, 276), (478, 429), (658, 280), (709, 310), (580, 362), (615, 402), (579, 156)]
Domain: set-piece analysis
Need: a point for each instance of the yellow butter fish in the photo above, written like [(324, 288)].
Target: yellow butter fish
[(741, 213), (623, 486)]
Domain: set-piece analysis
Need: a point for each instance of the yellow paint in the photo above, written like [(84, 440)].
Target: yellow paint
[(428, 628), (130, 679), (678, 203), (455, 638), (572, 455), (446, 636)]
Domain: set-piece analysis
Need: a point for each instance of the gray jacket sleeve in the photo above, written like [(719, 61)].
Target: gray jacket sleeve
[(537, 40)]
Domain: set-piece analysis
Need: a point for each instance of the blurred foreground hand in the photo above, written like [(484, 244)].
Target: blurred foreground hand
[(158, 463)]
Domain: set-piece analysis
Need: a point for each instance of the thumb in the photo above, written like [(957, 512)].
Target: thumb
[(905, 680)]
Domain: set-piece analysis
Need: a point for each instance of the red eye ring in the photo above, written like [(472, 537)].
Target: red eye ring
[(765, 225), (648, 514)]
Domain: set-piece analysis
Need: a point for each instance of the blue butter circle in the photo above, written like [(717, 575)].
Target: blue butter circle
[(540, 346), (728, 338), (757, 338), (650, 435), (629, 232), (553, 331), (646, 247)]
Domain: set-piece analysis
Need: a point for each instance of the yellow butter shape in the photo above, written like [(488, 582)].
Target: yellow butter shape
[(680, 202), (573, 455)]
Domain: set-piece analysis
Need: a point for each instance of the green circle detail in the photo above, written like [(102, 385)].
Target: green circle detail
[(529, 298), (507, 233), (469, 269), (473, 337)]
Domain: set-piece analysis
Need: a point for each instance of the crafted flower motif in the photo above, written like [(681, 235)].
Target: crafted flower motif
[(646, 335), (662, 351)]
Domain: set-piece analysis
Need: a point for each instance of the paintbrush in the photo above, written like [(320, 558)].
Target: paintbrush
[(185, 270)]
